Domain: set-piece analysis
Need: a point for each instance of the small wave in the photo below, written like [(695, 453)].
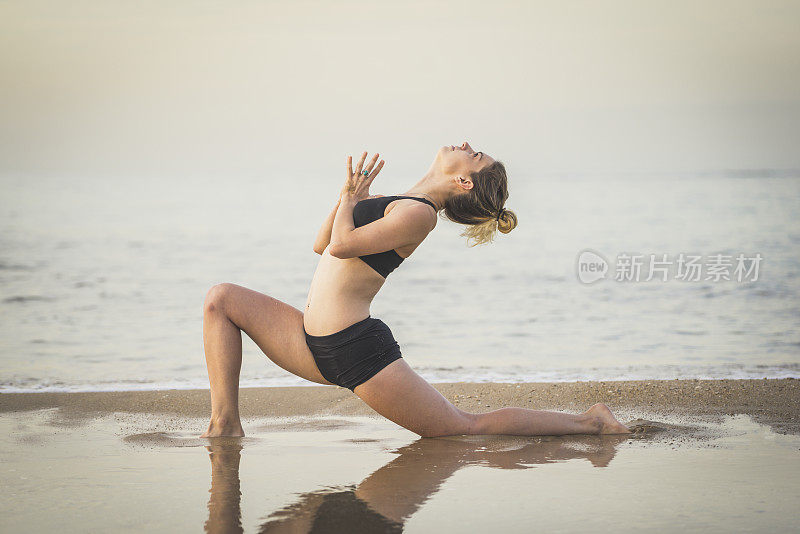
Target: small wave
[(14, 267), (440, 374), (27, 298)]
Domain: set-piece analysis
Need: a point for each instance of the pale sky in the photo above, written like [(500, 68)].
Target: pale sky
[(249, 87)]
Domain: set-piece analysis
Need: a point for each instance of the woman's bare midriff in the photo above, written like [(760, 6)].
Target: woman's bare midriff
[(342, 290), (341, 293)]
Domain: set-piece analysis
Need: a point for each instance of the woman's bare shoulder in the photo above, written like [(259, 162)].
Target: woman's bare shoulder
[(423, 210)]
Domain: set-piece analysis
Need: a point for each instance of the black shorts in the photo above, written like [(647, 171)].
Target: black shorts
[(352, 356)]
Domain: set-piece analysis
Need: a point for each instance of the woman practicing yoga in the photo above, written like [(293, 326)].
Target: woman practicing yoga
[(335, 341)]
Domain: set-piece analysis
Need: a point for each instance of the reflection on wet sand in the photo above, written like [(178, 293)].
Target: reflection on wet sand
[(143, 472), (224, 505), (384, 500)]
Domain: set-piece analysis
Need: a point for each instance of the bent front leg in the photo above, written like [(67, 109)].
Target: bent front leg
[(222, 341)]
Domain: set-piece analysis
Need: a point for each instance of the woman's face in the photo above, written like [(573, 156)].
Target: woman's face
[(461, 160)]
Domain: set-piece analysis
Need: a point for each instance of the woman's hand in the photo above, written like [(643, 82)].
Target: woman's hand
[(356, 186)]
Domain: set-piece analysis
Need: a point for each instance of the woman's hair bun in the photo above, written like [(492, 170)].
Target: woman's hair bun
[(507, 221)]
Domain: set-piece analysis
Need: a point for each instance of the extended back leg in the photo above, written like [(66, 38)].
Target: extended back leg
[(398, 393)]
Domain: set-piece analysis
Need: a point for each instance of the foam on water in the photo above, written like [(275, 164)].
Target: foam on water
[(440, 375)]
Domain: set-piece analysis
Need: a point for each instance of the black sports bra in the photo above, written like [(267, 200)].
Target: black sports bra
[(370, 210)]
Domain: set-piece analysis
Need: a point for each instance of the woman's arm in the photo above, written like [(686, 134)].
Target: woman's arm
[(324, 235), (403, 225), (343, 219), (355, 189)]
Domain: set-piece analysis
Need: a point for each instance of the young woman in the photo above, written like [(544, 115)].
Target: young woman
[(335, 341)]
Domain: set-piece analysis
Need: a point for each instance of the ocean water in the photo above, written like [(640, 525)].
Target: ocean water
[(102, 280)]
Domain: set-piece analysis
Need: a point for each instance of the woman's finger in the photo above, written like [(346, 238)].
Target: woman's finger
[(349, 167), (377, 169), (361, 163), (368, 168)]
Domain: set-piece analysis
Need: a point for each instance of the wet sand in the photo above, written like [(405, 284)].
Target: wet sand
[(774, 402), (716, 456), (126, 472)]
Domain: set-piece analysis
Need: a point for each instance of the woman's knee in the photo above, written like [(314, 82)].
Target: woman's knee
[(483, 423), (459, 423), (473, 421), (216, 296)]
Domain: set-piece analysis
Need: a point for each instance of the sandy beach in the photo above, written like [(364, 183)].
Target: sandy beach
[(716, 455), (775, 402)]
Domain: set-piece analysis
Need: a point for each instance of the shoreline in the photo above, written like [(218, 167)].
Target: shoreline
[(496, 374), (775, 402)]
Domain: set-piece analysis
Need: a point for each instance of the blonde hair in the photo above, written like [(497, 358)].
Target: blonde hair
[(479, 207)]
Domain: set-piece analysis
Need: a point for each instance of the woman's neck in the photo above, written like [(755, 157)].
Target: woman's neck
[(429, 189)]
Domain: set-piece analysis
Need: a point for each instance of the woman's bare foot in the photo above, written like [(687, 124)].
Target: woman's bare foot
[(610, 423), (224, 427)]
